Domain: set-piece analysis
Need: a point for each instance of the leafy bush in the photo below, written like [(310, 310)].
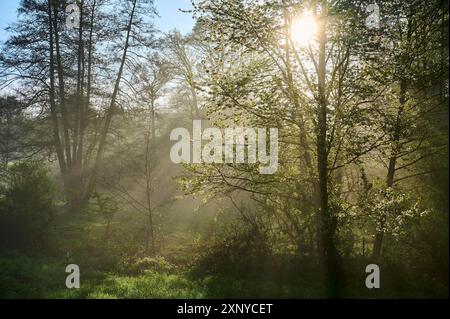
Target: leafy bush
[(137, 266), (239, 250), (26, 205)]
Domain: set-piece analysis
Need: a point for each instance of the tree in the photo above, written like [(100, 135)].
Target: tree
[(67, 89), (182, 63), (309, 92), (400, 65)]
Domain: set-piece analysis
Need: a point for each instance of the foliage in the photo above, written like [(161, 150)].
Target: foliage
[(27, 208)]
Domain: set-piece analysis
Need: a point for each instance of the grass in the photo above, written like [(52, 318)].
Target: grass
[(23, 276), (112, 273)]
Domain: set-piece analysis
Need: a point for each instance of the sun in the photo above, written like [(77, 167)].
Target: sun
[(303, 29)]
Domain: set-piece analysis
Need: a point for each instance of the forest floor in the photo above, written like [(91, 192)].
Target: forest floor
[(110, 272), (23, 276)]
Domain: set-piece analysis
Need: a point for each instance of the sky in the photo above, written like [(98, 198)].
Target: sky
[(170, 16)]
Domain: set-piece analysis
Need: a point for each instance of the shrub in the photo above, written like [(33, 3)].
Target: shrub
[(141, 265), (26, 205), (236, 252)]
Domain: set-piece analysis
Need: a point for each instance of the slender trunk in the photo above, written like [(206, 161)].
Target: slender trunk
[(62, 97), (5, 156), (150, 240), (80, 87), (76, 170), (149, 156), (327, 223), (53, 112), (110, 111), (444, 80), (364, 247), (86, 101), (194, 100), (153, 141)]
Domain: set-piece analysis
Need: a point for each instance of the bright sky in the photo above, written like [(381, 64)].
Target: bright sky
[(170, 16)]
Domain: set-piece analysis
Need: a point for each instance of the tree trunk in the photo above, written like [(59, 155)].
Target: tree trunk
[(110, 112), (86, 100), (378, 240), (53, 111), (149, 160), (327, 223), (61, 90)]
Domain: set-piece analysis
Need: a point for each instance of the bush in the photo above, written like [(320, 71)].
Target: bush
[(138, 266), (26, 205), (238, 251)]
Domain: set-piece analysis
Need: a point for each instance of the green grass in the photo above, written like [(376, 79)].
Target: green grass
[(148, 286), (116, 272), (23, 276)]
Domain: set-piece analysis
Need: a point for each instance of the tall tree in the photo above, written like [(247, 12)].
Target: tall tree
[(67, 88)]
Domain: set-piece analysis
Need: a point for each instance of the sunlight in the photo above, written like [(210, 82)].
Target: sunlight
[(303, 29)]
